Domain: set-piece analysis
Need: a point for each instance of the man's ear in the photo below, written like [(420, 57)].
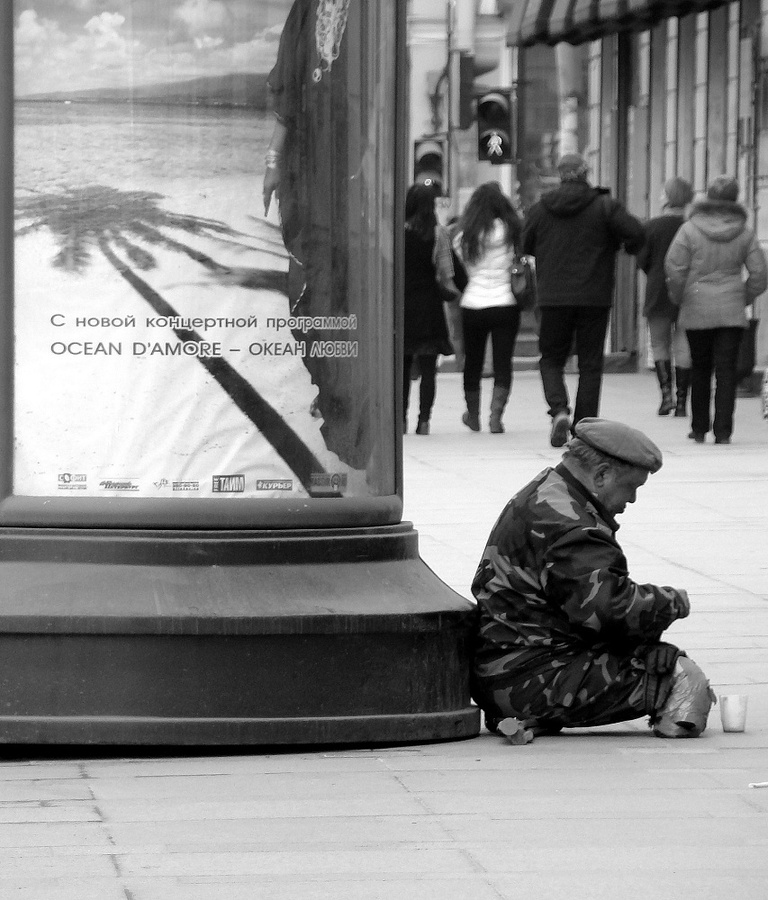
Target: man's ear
[(600, 473)]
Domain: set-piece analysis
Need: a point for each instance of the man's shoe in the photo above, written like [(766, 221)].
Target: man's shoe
[(492, 724), (561, 425), (697, 436), (722, 440), (422, 427)]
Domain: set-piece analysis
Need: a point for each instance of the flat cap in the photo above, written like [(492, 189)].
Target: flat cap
[(619, 441)]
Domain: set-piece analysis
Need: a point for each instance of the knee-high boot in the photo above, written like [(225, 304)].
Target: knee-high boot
[(664, 374), (471, 417), (683, 383), (498, 402)]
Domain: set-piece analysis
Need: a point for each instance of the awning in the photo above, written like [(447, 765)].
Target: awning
[(576, 21)]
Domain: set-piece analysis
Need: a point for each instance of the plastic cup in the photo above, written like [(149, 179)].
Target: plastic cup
[(733, 711)]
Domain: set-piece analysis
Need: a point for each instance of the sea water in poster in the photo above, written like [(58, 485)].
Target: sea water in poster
[(196, 257)]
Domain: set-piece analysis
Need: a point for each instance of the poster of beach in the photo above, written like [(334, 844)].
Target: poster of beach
[(172, 338)]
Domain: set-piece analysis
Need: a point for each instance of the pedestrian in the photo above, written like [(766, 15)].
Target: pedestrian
[(704, 266), (575, 232), (668, 342), (428, 283), (486, 240), (564, 637)]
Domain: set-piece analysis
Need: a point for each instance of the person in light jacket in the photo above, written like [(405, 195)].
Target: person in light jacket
[(486, 241), (704, 268)]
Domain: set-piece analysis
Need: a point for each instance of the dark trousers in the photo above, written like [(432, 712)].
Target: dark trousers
[(559, 326), (502, 323), (713, 351), (427, 386), (612, 689)]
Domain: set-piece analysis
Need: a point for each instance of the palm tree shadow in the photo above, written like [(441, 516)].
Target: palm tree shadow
[(121, 226)]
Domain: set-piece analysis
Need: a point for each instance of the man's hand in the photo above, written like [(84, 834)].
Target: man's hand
[(681, 604), (659, 658)]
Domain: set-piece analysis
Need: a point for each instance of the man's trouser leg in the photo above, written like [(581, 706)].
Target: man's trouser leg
[(555, 341), (591, 328), (591, 687)]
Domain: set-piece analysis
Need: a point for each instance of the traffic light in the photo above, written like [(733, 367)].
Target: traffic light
[(429, 163), (494, 127)]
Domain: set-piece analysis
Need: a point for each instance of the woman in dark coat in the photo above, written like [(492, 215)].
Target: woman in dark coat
[(428, 269), (668, 342)]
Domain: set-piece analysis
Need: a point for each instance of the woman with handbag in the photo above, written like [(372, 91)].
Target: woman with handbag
[(428, 282), (488, 233)]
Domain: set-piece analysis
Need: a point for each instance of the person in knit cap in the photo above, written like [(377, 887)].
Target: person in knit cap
[(575, 232), (564, 637), (668, 342), (704, 266)]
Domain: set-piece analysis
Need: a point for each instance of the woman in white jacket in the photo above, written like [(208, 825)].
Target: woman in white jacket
[(486, 239)]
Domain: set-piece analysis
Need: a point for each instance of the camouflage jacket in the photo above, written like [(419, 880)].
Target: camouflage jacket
[(553, 582)]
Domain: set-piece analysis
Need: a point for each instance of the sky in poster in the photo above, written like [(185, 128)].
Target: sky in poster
[(86, 44)]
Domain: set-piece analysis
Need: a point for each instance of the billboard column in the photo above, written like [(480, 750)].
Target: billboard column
[(201, 536)]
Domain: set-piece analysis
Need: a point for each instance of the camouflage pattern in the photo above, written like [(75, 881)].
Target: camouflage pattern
[(559, 618)]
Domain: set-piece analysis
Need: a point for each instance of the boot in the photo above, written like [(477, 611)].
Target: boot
[(664, 374), (498, 402), (683, 382), (471, 417)]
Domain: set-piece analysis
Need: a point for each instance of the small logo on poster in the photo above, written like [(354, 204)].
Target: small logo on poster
[(228, 484), (186, 486), (327, 484), (70, 482), (119, 484), (161, 483), (276, 484)]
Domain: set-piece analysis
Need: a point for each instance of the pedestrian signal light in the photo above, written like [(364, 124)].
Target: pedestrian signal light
[(494, 128), (429, 163)]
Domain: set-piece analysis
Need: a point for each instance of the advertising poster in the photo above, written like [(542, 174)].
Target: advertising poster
[(203, 249)]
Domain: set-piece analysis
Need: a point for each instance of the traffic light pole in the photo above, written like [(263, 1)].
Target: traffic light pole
[(450, 119)]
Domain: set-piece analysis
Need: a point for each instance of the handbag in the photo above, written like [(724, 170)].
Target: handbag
[(523, 281), (440, 253)]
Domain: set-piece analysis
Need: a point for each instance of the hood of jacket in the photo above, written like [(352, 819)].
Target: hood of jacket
[(570, 198), (719, 220)]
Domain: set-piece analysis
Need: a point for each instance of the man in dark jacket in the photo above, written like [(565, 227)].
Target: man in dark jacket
[(565, 638), (575, 232)]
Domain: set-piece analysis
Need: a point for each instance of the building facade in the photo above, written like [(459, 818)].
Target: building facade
[(645, 91)]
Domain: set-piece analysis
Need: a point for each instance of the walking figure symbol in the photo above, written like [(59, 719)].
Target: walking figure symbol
[(494, 145)]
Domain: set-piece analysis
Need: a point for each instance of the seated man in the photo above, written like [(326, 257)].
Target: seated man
[(565, 638)]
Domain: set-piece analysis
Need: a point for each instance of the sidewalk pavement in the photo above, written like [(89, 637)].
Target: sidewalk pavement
[(588, 814)]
